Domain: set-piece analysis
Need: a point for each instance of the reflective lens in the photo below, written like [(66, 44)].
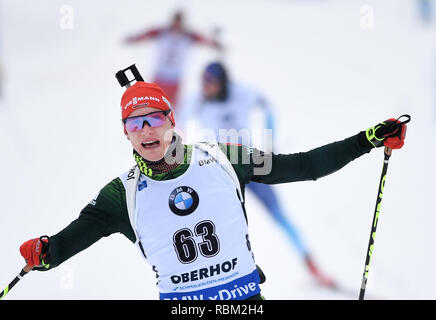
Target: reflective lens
[(154, 119)]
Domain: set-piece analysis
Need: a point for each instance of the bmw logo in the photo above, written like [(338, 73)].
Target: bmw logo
[(183, 200)]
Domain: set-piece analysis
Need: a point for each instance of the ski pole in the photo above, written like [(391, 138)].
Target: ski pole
[(23, 272), (388, 152)]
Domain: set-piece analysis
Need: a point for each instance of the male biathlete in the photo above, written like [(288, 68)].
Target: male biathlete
[(183, 205)]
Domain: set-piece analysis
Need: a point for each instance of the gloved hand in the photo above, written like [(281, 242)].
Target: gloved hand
[(36, 253), (390, 133)]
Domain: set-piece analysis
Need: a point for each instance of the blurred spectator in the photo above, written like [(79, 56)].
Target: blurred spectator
[(223, 104), (174, 43)]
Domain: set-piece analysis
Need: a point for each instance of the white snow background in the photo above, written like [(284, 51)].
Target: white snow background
[(327, 75)]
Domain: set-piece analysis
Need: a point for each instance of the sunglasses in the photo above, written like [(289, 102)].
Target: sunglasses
[(153, 120)]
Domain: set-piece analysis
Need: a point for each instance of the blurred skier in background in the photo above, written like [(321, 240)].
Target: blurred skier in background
[(1, 82), (1, 79), (173, 44), (425, 8), (225, 105)]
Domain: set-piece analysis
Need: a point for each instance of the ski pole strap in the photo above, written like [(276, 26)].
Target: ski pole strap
[(406, 121)]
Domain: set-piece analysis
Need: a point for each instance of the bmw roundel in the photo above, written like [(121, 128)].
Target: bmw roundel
[(183, 200)]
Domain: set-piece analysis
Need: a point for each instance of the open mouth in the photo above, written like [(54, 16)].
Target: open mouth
[(150, 144)]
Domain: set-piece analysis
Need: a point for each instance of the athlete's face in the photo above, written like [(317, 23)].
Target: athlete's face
[(211, 87), (150, 142), (177, 24)]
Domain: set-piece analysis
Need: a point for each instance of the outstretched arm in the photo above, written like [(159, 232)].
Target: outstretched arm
[(200, 39), (254, 165), (310, 165), (104, 215), (149, 34)]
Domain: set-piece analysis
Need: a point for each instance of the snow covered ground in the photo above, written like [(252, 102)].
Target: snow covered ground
[(328, 68)]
